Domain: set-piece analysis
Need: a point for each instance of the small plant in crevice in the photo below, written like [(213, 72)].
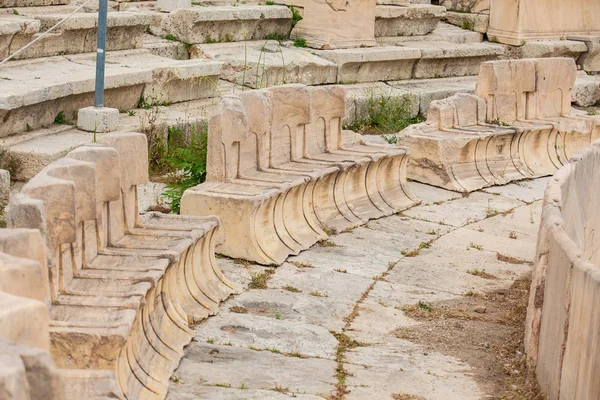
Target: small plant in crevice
[(60, 119), (425, 306), (190, 163), (259, 279), (171, 37), (300, 42), (385, 114), (296, 16), (276, 36), (9, 162)]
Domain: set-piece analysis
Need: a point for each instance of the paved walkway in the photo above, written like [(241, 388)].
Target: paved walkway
[(327, 324)]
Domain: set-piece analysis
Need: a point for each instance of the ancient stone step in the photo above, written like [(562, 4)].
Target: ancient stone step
[(260, 64), (31, 3), (416, 60), (225, 23), (443, 32), (471, 21), (36, 92), (409, 20), (76, 35)]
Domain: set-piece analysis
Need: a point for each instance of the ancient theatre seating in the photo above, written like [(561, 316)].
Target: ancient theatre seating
[(124, 288), (27, 371), (282, 174), (519, 124)]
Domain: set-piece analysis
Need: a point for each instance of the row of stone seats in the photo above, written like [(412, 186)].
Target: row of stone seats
[(282, 174), (26, 368), (518, 125), (124, 288)]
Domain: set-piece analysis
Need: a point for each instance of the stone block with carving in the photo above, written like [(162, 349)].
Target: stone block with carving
[(282, 173), (519, 124), (337, 24), (124, 288), (562, 331)]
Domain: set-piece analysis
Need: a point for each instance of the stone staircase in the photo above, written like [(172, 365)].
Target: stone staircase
[(182, 57)]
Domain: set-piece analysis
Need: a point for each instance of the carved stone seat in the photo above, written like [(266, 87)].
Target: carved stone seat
[(518, 125), (124, 288), (282, 173)]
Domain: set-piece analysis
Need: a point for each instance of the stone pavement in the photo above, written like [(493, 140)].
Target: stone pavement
[(324, 324)]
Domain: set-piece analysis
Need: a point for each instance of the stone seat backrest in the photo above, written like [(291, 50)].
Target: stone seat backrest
[(263, 129), (24, 296), (63, 188), (132, 151), (327, 108), (530, 89), (458, 111), (289, 107), (554, 81), (231, 148), (505, 86)]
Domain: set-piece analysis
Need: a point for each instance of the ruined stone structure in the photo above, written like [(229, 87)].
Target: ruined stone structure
[(518, 125), (282, 173), (563, 327), (124, 289), (26, 369)]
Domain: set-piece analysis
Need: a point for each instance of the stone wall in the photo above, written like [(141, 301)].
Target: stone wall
[(562, 339)]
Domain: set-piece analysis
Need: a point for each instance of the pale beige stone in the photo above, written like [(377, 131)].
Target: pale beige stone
[(78, 34), (410, 20), (225, 23), (467, 6), (519, 21), (590, 60), (35, 91), (282, 173), (124, 288), (517, 125), (470, 21), (326, 24), (561, 339)]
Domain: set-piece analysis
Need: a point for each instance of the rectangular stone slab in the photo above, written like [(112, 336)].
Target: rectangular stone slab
[(519, 21), (226, 23)]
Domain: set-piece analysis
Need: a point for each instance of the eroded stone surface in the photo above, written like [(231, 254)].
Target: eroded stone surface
[(493, 137), (565, 282), (285, 317), (283, 175)]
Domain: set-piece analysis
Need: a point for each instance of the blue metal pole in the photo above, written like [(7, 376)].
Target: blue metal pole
[(101, 53)]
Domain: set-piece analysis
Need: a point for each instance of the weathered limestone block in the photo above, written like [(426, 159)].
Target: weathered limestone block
[(590, 60), (266, 63), (78, 34), (124, 288), (31, 3), (12, 25), (470, 21), (519, 21), (281, 172), (410, 20), (26, 369), (518, 125), (373, 64), (225, 23), (67, 85), (562, 328), (335, 24), (467, 6)]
